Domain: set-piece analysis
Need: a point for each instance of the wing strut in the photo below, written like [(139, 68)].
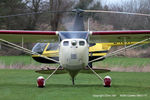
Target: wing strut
[(118, 51), (12, 45)]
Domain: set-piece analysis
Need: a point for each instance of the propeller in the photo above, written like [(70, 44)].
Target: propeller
[(77, 11), (33, 13), (115, 12)]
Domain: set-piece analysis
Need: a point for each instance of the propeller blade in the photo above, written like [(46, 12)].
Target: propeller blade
[(33, 13), (78, 11), (116, 12)]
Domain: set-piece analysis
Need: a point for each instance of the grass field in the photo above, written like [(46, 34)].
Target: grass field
[(108, 62), (21, 85), (124, 62), (25, 60)]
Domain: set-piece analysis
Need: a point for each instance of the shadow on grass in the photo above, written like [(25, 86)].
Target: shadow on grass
[(94, 86), (49, 85), (77, 85), (130, 86), (70, 86)]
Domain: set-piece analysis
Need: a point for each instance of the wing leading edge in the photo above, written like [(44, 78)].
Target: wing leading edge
[(52, 36), (28, 36), (119, 36)]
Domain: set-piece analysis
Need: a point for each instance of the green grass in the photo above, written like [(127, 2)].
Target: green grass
[(21, 85), (123, 62), (108, 62), (24, 60)]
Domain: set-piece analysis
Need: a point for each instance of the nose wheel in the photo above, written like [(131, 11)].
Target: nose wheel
[(73, 83)]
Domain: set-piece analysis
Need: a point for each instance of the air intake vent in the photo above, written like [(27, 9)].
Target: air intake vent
[(73, 56)]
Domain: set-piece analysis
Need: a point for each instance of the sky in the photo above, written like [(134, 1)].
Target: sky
[(109, 2), (106, 1)]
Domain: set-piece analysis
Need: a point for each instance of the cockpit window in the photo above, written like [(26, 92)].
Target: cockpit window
[(52, 46), (39, 48), (66, 43), (81, 43)]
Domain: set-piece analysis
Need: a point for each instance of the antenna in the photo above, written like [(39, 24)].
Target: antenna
[(88, 24), (0, 46)]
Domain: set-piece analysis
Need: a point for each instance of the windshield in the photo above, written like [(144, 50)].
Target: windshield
[(73, 35)]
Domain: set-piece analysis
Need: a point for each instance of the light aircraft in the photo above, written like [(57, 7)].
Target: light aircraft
[(75, 50)]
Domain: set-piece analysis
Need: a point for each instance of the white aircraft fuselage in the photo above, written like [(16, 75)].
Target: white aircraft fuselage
[(74, 54)]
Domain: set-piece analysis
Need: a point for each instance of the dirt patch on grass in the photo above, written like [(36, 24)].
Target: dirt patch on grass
[(20, 66), (130, 69), (116, 69)]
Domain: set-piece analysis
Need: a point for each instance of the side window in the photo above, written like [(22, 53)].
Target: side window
[(39, 48), (81, 43), (52, 46), (66, 43)]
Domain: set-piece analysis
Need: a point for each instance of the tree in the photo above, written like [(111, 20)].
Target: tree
[(83, 4), (129, 22), (11, 7), (34, 7), (58, 5)]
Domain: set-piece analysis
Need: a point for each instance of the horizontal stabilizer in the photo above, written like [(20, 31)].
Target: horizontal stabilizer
[(97, 70), (50, 70), (63, 71)]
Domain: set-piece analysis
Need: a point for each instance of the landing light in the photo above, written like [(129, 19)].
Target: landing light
[(74, 42)]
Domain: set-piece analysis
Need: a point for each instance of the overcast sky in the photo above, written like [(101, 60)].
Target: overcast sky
[(112, 1)]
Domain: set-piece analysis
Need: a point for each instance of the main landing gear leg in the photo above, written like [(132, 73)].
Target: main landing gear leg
[(96, 74), (41, 82), (106, 81), (52, 73)]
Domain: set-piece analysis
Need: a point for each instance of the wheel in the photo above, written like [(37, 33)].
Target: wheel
[(40, 82), (107, 81)]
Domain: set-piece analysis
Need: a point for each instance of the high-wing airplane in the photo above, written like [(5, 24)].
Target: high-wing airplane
[(75, 50)]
